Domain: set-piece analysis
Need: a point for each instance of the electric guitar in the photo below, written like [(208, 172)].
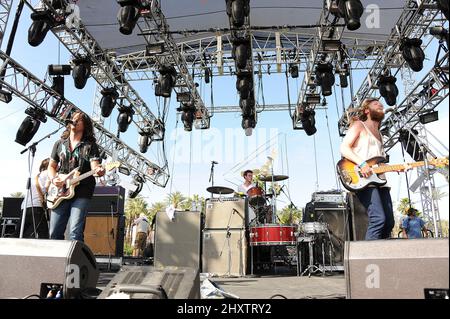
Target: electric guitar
[(351, 178), (56, 195)]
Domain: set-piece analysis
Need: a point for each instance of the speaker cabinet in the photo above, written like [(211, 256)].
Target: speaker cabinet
[(104, 234), (223, 253), (358, 217), (145, 282), (107, 200), (12, 207), (337, 221), (396, 268), (30, 265), (177, 241), (226, 213)]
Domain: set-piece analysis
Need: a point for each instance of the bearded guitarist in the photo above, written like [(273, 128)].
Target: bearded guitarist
[(363, 142), (77, 148)]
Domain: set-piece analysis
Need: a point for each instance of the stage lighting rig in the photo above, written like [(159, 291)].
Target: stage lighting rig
[(237, 11), (307, 117), (5, 96), (144, 139), (187, 115), (351, 11), (138, 181), (30, 125), (108, 101), (248, 124), (207, 75), (440, 33), (244, 84), (241, 52), (81, 71), (43, 21), (247, 106), (388, 89), (413, 53), (343, 74), (293, 70), (444, 7), (325, 77), (184, 97), (128, 15), (124, 118), (166, 81), (155, 48)]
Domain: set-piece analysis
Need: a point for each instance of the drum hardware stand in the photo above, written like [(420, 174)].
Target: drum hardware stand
[(211, 176), (273, 191), (311, 269), (227, 240)]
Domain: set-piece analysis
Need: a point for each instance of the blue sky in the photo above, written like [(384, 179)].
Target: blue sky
[(293, 151)]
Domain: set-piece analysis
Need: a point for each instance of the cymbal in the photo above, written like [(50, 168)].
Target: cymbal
[(276, 178), (220, 190)]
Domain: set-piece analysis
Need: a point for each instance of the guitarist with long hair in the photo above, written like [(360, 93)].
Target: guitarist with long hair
[(77, 149), (362, 142)]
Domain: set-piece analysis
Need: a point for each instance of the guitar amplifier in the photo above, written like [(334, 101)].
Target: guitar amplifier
[(107, 200), (335, 197), (226, 213)]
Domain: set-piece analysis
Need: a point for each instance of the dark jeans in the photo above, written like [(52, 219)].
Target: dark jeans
[(36, 225), (378, 203), (72, 211)]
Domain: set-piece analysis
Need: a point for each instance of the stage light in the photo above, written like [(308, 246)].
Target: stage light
[(325, 78), (155, 48), (308, 121), (128, 16), (248, 122), (351, 11), (30, 125), (241, 52), (388, 89), (59, 69), (207, 75), (443, 6), (331, 45), (413, 53), (5, 96), (144, 141), (166, 81), (429, 117), (81, 72), (293, 70), (237, 10), (42, 23), (441, 33), (244, 84), (187, 117), (124, 118), (247, 106), (343, 81), (184, 97), (410, 144), (58, 85), (108, 101), (138, 181), (312, 99)]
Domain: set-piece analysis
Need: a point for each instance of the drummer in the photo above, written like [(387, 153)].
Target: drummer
[(243, 188)]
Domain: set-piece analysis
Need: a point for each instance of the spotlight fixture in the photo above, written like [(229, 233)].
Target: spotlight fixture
[(241, 52), (5, 96), (312, 99), (58, 85), (144, 140), (42, 23), (166, 81), (410, 144), (124, 118), (138, 181), (429, 117), (443, 6), (351, 11), (293, 70), (308, 120), (244, 84), (81, 72), (388, 89), (331, 45), (128, 15), (184, 97), (207, 75), (155, 48), (247, 106), (441, 33), (30, 125), (343, 74), (108, 101), (187, 117), (237, 10), (413, 53), (59, 69), (325, 78)]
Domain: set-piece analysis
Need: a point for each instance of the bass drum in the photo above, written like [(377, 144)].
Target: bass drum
[(272, 235)]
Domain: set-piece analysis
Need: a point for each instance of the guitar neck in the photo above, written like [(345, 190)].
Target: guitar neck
[(82, 176), (393, 168)]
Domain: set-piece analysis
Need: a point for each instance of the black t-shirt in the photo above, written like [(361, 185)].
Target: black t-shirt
[(80, 158)]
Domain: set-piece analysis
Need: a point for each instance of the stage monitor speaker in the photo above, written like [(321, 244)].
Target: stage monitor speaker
[(31, 265), (145, 282), (358, 217), (226, 213), (107, 200), (396, 268), (11, 207), (337, 221), (177, 241), (104, 234), (223, 253)]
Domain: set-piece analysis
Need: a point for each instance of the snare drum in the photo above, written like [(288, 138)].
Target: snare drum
[(256, 196), (314, 228), (272, 234)]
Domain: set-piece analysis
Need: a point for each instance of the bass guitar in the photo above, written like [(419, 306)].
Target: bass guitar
[(56, 195), (350, 174)]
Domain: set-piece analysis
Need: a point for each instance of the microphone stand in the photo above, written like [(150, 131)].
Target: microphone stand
[(211, 176), (32, 150)]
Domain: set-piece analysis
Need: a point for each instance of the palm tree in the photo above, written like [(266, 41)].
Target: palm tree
[(17, 194), (175, 199), (156, 208), (289, 215), (404, 205), (134, 207)]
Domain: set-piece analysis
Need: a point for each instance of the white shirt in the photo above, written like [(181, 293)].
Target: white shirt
[(33, 199), (243, 189), (142, 225)]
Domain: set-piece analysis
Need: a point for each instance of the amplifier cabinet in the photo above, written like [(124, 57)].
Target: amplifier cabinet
[(104, 234), (226, 213)]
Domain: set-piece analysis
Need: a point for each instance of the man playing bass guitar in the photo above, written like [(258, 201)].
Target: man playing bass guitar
[(363, 142), (77, 148)]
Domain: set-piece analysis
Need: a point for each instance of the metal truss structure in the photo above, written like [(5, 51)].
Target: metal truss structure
[(43, 98), (5, 9)]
